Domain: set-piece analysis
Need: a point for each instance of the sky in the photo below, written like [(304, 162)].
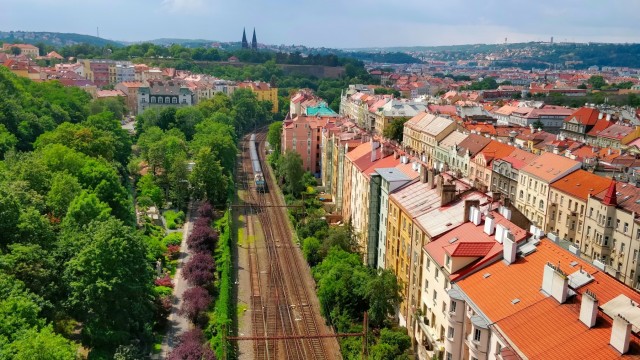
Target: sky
[(334, 23)]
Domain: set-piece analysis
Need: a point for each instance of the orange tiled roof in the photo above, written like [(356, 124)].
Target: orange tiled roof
[(581, 183), (548, 166), (467, 249), (537, 325)]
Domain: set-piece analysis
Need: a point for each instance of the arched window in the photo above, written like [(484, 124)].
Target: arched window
[(153, 99), (175, 100), (167, 100), (521, 194), (541, 206)]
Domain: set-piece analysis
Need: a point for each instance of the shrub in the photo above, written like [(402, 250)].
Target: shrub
[(164, 281), (195, 302), (202, 239), (173, 219), (199, 270), (192, 347), (205, 211), (173, 252), (172, 239)]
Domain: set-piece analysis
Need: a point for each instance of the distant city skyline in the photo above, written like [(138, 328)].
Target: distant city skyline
[(333, 23)]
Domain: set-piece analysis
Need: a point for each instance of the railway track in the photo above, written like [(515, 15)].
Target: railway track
[(280, 300)]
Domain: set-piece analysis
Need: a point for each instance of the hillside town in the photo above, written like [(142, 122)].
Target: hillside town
[(511, 222)]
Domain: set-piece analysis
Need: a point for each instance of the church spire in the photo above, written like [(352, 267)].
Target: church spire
[(245, 43), (254, 41)]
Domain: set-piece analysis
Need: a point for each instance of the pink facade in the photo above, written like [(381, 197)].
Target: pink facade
[(303, 135)]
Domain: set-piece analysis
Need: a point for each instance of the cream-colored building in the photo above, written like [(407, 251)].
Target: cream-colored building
[(423, 132), (533, 186), (612, 232), (568, 203)]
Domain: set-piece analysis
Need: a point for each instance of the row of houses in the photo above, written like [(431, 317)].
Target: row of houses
[(450, 207)]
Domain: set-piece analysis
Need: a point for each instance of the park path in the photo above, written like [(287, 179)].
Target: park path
[(179, 324)]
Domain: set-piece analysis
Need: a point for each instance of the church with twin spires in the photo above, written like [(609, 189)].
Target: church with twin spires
[(254, 41)]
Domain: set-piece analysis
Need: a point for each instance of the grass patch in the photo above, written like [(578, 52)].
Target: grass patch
[(242, 307)]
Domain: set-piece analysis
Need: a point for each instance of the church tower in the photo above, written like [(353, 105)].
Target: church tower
[(245, 43), (254, 41)]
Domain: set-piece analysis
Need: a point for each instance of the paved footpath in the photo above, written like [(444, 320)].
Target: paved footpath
[(179, 324)]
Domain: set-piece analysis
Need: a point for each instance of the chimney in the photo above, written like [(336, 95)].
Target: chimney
[(589, 309), (424, 176), (600, 115), (620, 334), (476, 216), (608, 117), (468, 205), (500, 232), (509, 247), (430, 178), (374, 147), (489, 224), (555, 282)]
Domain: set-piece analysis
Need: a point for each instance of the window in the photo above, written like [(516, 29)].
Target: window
[(448, 356), (428, 263), (622, 247), (437, 273), (435, 296), (444, 307), (450, 332), (153, 99), (159, 100), (174, 100), (541, 206), (448, 260), (498, 348), (522, 195), (635, 255), (626, 228), (452, 306), (426, 285), (167, 100), (476, 335)]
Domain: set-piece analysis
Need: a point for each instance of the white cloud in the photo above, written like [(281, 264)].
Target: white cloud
[(181, 6)]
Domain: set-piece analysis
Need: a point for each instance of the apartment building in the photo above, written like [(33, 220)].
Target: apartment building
[(422, 133), (163, 94), (481, 165), (612, 232), (545, 303), (409, 206), (396, 110), (533, 185), (442, 152), (454, 255), (568, 203), (462, 153), (302, 135), (506, 172)]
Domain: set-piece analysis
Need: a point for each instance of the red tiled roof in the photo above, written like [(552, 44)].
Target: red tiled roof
[(586, 116), (469, 249)]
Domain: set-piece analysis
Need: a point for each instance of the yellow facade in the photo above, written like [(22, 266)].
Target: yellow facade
[(270, 94)]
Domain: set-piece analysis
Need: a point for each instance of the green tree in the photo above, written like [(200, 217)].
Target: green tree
[(147, 187), (19, 309), (42, 345), (597, 81), (310, 249), (207, 178), (9, 217), (383, 292), (14, 50), (64, 188), (186, 120), (394, 130), (179, 182), (8, 141), (274, 136), (108, 275), (291, 168), (84, 209)]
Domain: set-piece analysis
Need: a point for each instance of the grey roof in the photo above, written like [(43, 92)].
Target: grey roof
[(392, 174)]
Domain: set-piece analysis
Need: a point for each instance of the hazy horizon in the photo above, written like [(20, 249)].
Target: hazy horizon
[(355, 24)]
